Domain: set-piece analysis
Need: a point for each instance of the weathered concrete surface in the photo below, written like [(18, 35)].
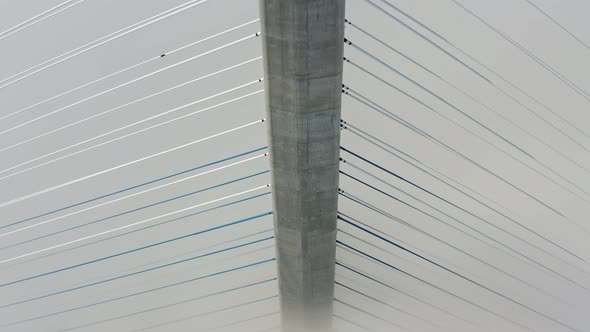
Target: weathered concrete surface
[(303, 50)]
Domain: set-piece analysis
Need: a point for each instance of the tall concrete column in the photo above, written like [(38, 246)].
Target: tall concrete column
[(303, 49)]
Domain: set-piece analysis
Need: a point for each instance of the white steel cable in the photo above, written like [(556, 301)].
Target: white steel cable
[(130, 225), (135, 132), (134, 194), (122, 106), (135, 80), (69, 183), (39, 18), (96, 43), (127, 69)]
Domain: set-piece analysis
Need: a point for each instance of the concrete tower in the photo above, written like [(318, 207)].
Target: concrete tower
[(303, 50)]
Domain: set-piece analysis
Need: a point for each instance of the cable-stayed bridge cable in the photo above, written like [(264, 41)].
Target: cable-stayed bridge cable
[(506, 297), (140, 130), (241, 321), (529, 260), (69, 183), (503, 247), (584, 94), (398, 257), (128, 226), (138, 249), (371, 105), (396, 308), (133, 195), (39, 18), (439, 98), (127, 275), (473, 120), (422, 166), (360, 253), (231, 290), (211, 275), (137, 65), (366, 275), (211, 312), (28, 140), (431, 42), (432, 31), (532, 135), (483, 261), (573, 86), (561, 26), (353, 323), (336, 300), (135, 80), (167, 200), (242, 200), (119, 191), (417, 164), (98, 42), (184, 254)]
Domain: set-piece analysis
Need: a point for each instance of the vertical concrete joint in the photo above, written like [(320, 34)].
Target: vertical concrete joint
[(303, 56)]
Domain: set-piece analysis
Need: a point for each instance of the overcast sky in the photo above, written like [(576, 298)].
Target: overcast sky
[(554, 156)]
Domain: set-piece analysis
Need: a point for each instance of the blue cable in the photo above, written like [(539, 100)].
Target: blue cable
[(461, 208), (172, 304), (431, 285), (134, 187), (143, 292), (224, 327), (392, 243), (402, 292), (370, 314), (396, 308), (351, 322), (460, 275), (137, 209), (520, 254), (136, 249), (391, 173), (154, 225), (235, 306), (138, 272), (431, 42), (427, 259)]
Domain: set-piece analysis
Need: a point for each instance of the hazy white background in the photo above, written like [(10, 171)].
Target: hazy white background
[(94, 19)]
